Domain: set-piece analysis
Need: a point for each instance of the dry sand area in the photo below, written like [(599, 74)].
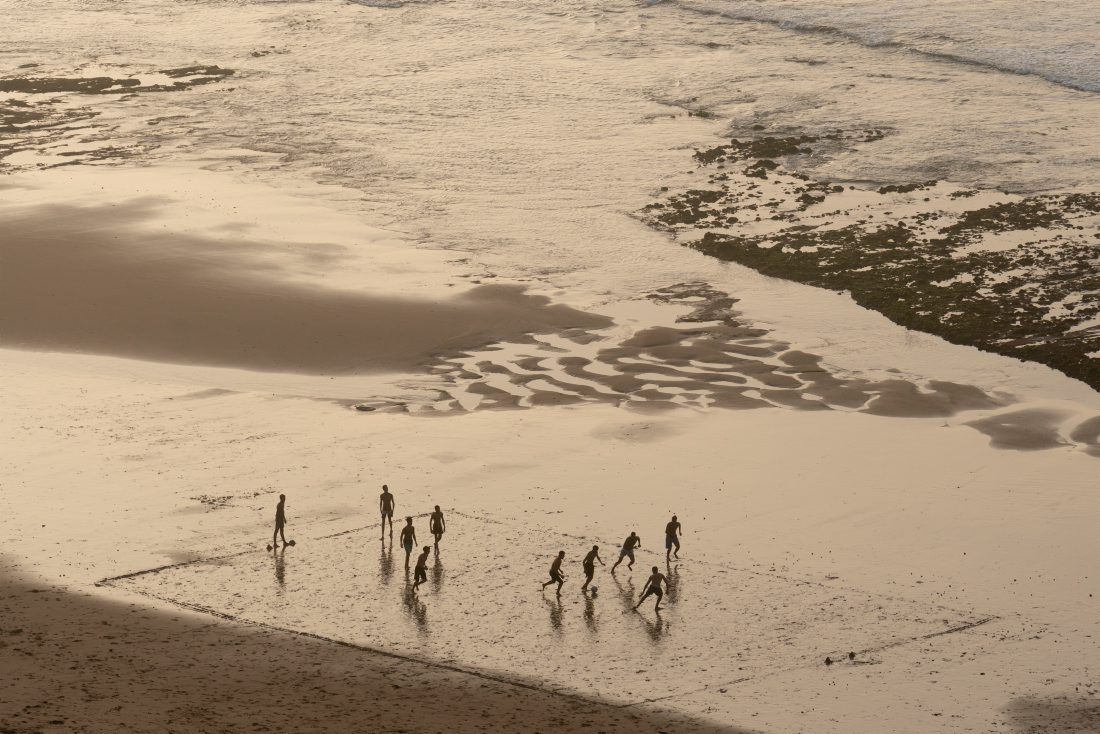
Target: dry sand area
[(166, 375)]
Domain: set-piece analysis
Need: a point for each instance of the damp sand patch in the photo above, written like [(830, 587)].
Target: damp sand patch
[(482, 612), (92, 279), (708, 359)]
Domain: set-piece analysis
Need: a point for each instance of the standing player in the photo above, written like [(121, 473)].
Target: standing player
[(408, 540), (280, 522), (556, 576), (589, 565), (672, 530), (386, 505), (437, 524), (653, 586), (632, 542), (420, 575)]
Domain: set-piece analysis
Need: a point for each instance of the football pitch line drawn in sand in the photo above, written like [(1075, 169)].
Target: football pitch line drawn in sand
[(481, 611)]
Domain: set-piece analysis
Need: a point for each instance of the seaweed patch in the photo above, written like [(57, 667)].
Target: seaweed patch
[(60, 120), (1016, 275)]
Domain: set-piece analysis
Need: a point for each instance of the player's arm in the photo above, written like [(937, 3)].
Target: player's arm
[(443, 522), (599, 559)]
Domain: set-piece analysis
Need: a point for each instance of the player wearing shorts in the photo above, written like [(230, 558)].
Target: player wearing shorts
[(589, 565), (408, 540), (556, 576), (386, 505), (672, 530), (280, 522), (420, 575), (653, 587), (437, 524), (632, 542)]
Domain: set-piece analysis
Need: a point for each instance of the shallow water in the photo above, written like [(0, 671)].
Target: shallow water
[(526, 137)]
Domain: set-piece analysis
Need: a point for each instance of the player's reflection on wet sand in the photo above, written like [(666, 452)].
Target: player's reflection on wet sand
[(280, 570), (416, 610), (625, 591), (437, 572), (554, 605), (655, 628), (385, 565), (590, 611)]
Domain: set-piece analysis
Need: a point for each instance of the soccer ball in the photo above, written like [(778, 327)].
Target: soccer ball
[(594, 590)]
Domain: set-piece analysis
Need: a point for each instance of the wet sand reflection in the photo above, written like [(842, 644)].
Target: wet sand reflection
[(385, 565), (280, 570), (437, 572)]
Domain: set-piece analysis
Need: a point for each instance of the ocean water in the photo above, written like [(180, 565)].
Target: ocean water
[(526, 136), (1059, 41)]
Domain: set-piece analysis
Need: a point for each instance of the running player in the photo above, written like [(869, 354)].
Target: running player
[(672, 530), (556, 576), (420, 575), (589, 565), (632, 542), (653, 586)]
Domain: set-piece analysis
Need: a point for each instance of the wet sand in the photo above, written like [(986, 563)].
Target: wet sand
[(722, 625), (81, 663), (86, 279)]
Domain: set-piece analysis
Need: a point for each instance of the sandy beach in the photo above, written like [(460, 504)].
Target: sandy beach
[(515, 261)]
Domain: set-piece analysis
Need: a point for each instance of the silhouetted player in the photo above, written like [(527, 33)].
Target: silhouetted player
[(386, 505), (590, 565), (408, 539), (437, 524), (672, 530), (632, 542), (280, 521), (420, 575), (556, 575), (653, 586)]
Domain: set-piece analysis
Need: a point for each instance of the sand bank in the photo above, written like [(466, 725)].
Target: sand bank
[(86, 279)]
